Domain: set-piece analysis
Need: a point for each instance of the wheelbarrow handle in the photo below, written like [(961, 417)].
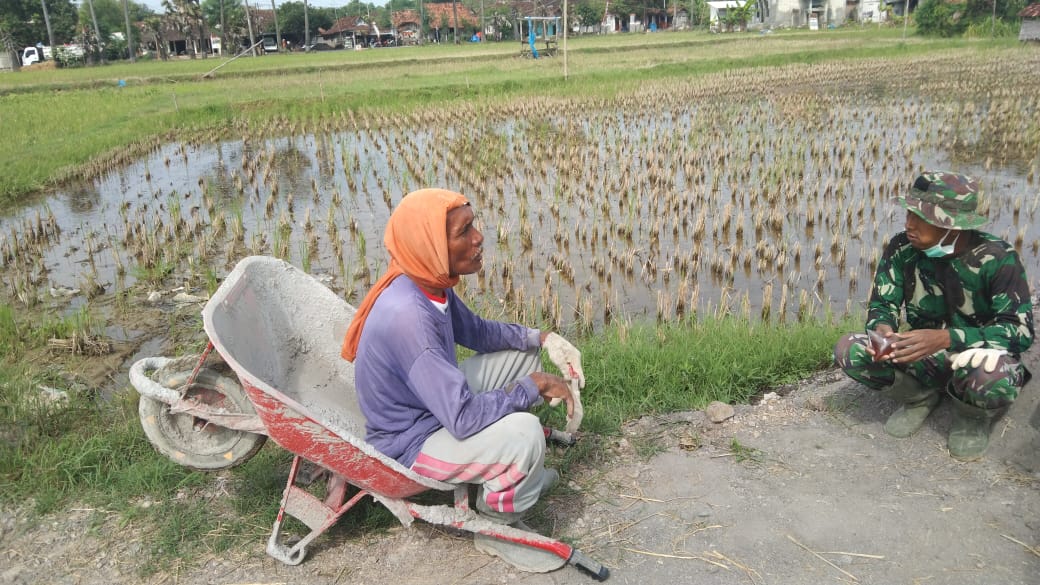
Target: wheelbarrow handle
[(586, 564), (143, 383)]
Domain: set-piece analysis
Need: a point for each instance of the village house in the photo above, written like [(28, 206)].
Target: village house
[(799, 13), (1030, 30), (346, 33), (407, 25), (441, 25)]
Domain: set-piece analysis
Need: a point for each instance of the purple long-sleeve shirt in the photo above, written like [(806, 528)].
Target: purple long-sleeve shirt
[(408, 381)]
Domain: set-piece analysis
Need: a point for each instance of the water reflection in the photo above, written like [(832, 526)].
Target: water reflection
[(741, 205)]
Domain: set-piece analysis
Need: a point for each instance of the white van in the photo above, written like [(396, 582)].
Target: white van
[(270, 44)]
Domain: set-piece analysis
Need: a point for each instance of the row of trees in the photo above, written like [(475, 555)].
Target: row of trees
[(971, 17), (93, 23), (99, 26)]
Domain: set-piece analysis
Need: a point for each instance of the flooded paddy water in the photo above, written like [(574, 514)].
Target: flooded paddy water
[(765, 193)]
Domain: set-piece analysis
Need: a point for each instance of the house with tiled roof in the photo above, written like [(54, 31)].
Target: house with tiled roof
[(263, 19), (346, 32), (354, 32), (408, 25), (440, 19), (1030, 30)]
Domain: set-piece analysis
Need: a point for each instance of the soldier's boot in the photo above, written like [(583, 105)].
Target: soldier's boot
[(969, 433), (917, 403)]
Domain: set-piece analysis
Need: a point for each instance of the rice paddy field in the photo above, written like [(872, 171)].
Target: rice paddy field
[(642, 188)]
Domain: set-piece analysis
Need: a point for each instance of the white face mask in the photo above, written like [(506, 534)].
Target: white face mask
[(939, 250)]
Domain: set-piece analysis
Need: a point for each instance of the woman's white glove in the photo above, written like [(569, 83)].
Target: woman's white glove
[(567, 358), (987, 358)]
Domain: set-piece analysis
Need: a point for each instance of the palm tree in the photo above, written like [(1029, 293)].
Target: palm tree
[(154, 26), (186, 15), (97, 31)]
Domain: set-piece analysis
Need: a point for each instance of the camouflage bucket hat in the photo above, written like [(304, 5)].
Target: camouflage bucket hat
[(944, 199)]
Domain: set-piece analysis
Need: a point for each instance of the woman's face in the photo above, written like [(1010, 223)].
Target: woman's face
[(465, 242), (922, 234)]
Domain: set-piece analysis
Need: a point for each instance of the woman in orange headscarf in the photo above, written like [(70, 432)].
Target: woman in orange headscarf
[(455, 423)]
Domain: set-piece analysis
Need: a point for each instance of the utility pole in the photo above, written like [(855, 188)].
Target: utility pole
[(97, 31), (993, 21), (565, 31), (906, 16), (422, 23), (129, 37), (455, 14), (223, 30), (249, 24), (277, 28), (306, 28), (47, 21)]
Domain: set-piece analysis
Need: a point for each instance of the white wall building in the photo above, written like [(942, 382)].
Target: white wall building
[(796, 13), (717, 10)]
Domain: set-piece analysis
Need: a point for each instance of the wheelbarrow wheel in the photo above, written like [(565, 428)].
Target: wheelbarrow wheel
[(191, 441)]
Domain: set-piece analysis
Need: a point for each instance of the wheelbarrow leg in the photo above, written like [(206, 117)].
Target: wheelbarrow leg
[(561, 437), (318, 515)]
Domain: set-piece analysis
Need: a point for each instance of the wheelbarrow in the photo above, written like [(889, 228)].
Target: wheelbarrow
[(277, 332)]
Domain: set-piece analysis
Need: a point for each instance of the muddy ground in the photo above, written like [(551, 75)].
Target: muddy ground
[(801, 488)]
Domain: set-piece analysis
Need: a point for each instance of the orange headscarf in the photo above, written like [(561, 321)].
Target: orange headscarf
[(417, 239)]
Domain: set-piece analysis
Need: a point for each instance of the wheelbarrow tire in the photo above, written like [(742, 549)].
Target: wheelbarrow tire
[(190, 441)]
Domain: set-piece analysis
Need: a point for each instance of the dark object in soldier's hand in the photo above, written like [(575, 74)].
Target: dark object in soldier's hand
[(881, 345)]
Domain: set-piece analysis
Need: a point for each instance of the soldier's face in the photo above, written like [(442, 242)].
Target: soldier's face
[(922, 234)]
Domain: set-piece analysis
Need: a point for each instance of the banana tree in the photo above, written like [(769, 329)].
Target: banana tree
[(739, 16)]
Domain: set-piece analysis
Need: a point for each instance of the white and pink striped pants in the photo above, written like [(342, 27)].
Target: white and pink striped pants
[(507, 458)]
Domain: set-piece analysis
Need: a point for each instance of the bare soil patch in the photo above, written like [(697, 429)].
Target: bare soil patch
[(802, 488)]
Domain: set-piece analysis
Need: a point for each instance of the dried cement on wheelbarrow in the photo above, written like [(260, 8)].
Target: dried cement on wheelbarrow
[(281, 330)]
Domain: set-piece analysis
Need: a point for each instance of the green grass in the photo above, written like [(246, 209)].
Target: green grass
[(744, 454), (20, 331), (93, 452), (651, 369)]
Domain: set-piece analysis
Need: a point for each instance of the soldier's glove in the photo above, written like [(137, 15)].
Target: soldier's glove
[(987, 358), (566, 357)]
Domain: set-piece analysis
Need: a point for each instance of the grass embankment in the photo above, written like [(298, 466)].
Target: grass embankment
[(93, 452), (60, 124)]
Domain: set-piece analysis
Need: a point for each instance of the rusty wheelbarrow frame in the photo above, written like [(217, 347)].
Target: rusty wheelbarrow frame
[(279, 330)]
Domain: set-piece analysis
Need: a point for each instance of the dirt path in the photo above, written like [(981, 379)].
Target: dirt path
[(804, 488)]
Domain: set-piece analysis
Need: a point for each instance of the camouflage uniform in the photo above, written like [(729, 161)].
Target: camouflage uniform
[(981, 296)]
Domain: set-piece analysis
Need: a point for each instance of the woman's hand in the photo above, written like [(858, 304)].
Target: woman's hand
[(552, 387)]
